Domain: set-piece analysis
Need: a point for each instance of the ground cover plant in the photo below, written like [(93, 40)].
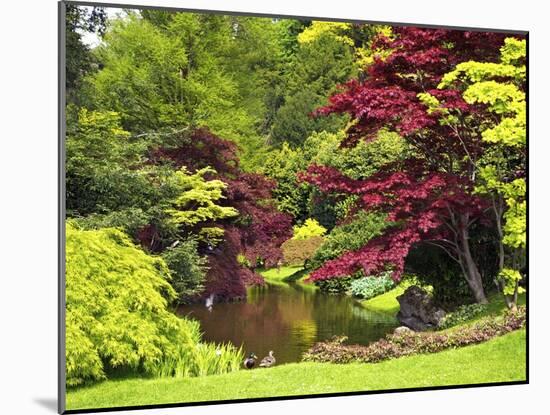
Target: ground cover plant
[(406, 343), (369, 287)]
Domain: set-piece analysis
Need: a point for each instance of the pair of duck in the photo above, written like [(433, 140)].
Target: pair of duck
[(267, 361)]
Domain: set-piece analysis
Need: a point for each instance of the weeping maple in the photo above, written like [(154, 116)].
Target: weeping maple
[(259, 229), (429, 196)]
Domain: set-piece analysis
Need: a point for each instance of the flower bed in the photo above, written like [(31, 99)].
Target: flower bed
[(409, 342)]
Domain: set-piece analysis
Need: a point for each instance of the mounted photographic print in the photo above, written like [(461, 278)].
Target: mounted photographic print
[(261, 207)]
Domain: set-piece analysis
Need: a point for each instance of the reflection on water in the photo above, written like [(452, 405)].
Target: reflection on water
[(288, 319)]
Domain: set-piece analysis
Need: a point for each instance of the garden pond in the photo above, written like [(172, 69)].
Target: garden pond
[(288, 319)]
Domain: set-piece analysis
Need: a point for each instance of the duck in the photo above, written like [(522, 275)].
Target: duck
[(268, 360), (250, 361)]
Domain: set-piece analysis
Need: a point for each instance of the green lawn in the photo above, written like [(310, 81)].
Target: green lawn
[(385, 303), (498, 360), (274, 274)]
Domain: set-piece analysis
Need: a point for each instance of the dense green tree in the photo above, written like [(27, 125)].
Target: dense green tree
[(187, 267), (146, 75), (291, 196), (293, 122), (288, 32), (318, 66), (309, 229), (502, 169), (79, 61), (162, 72), (102, 172), (302, 200)]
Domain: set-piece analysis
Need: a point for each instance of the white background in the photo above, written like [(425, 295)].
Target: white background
[(28, 203)]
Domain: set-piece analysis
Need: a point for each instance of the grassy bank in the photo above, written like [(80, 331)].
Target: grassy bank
[(499, 360), (279, 274), (387, 302)]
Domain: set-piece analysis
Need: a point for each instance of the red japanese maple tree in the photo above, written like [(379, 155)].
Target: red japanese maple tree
[(429, 197)]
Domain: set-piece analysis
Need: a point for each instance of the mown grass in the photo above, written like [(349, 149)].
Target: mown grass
[(499, 360), (298, 276), (387, 302), (279, 274)]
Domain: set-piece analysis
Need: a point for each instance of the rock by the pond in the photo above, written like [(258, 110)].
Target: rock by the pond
[(417, 310)]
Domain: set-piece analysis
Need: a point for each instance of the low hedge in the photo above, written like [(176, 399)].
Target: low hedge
[(409, 343)]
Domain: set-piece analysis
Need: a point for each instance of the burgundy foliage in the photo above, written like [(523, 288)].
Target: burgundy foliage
[(226, 278), (257, 232), (261, 226), (418, 200), (199, 149), (430, 195)]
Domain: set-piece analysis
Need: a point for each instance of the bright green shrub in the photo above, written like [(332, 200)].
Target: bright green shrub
[(348, 237), (243, 261), (198, 199), (116, 306), (371, 286), (299, 251), (188, 269), (309, 229)]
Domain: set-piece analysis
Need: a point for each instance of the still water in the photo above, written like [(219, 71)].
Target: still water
[(288, 319)]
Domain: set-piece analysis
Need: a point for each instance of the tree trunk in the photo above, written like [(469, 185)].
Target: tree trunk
[(469, 267), (473, 278), (510, 300)]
